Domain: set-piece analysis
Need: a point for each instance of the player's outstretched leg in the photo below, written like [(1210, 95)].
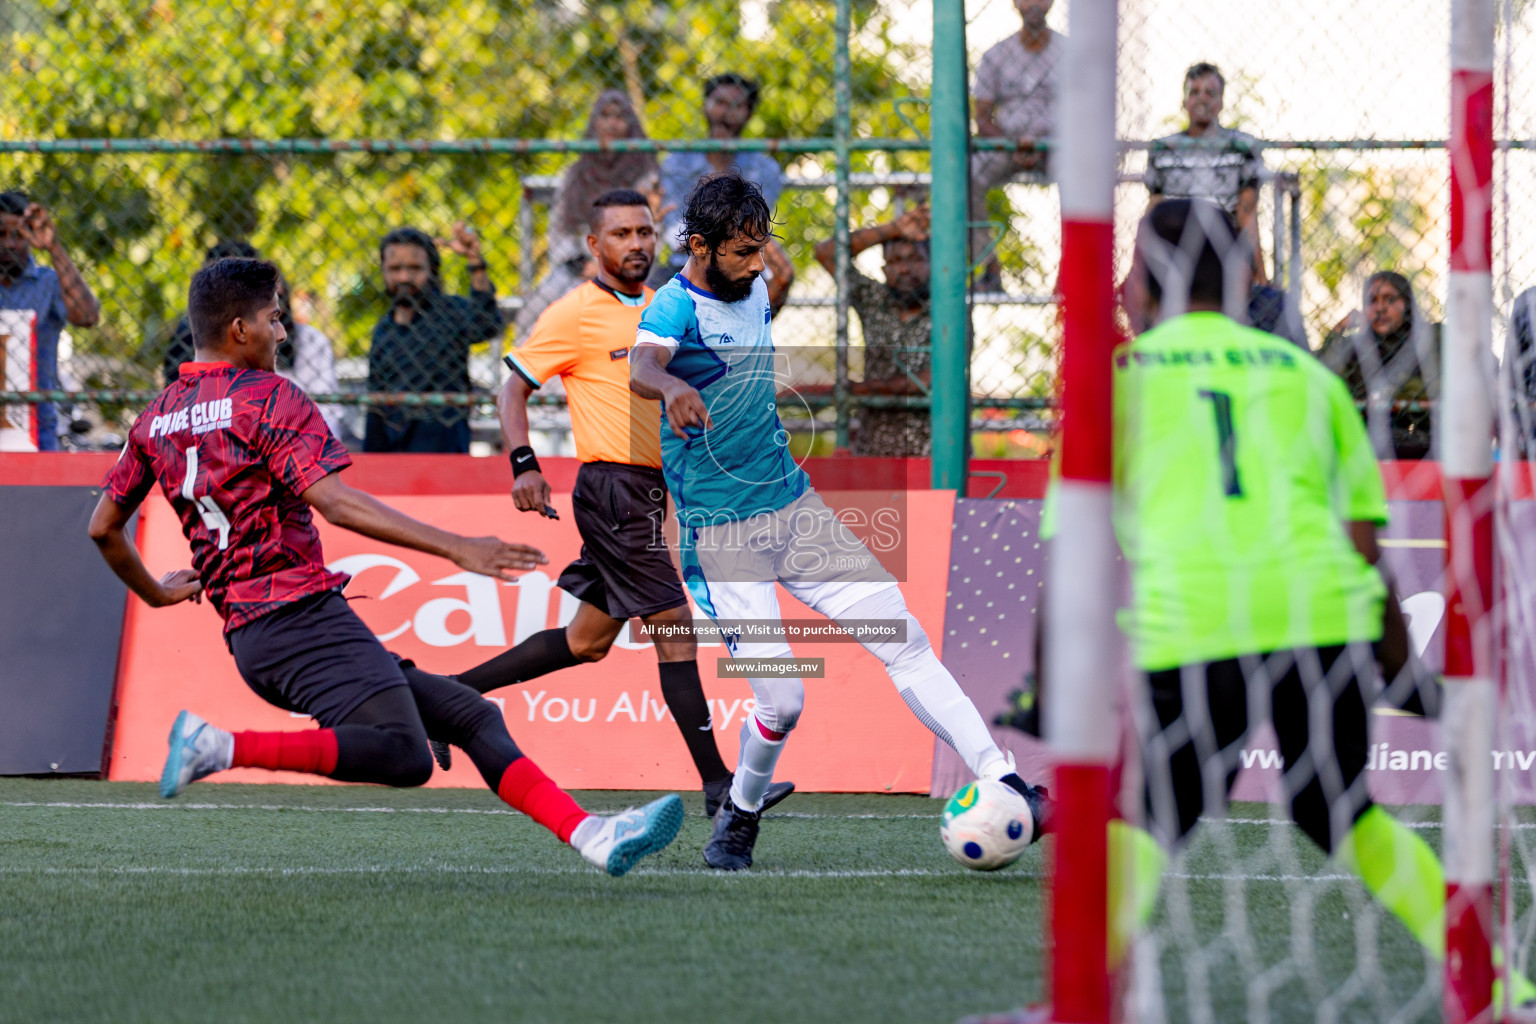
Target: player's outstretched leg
[(544, 652), (457, 714), (317, 657), (763, 734), (197, 751), (684, 694), (682, 689), (380, 741), (588, 638), (932, 694)]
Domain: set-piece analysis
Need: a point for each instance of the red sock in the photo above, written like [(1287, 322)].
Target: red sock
[(767, 733), (529, 790), (312, 751)]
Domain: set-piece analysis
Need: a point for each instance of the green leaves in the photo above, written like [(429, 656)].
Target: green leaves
[(399, 69)]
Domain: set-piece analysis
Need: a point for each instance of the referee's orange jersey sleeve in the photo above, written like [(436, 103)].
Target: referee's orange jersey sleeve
[(585, 337)]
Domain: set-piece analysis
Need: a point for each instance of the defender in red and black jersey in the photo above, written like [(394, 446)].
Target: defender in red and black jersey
[(233, 449), (243, 456)]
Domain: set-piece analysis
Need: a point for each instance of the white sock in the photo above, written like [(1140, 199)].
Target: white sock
[(939, 703), (754, 767), (226, 749), (928, 688)]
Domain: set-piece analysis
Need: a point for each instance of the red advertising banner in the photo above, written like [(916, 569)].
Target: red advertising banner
[(601, 726)]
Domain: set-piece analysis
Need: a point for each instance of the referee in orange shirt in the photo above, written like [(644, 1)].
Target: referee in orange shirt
[(625, 570)]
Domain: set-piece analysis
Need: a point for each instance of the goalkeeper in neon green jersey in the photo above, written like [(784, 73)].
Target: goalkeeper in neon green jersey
[(1246, 501)]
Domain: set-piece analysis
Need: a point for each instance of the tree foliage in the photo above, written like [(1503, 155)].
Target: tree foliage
[(387, 69), (1361, 219)]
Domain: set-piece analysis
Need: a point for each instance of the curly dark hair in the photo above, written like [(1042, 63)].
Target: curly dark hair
[(723, 206)]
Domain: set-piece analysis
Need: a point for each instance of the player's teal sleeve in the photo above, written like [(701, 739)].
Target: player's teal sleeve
[(670, 320), (1358, 490)]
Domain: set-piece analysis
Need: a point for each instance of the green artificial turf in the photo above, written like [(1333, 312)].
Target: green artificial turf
[(289, 903)]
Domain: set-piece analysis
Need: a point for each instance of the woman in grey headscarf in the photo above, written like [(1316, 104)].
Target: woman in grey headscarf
[(613, 117), (1389, 355), (1520, 375)]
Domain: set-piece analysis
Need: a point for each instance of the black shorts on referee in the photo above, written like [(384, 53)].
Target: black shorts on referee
[(625, 568)]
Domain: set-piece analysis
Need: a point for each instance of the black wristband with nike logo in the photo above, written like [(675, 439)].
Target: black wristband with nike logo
[(524, 461)]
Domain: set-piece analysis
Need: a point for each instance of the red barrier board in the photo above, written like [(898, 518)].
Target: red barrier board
[(602, 726), (619, 697), (462, 474)]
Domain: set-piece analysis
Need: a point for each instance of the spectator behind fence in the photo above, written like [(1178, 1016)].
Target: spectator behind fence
[(1389, 354), (897, 332), (1520, 371), (1207, 161), (35, 304), (422, 343), (1015, 97), (613, 117), (729, 102)]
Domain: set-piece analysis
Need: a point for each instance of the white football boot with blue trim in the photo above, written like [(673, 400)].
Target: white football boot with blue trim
[(197, 750), (617, 842)]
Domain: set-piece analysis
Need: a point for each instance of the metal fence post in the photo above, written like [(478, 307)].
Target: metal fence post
[(842, 73), (950, 157)]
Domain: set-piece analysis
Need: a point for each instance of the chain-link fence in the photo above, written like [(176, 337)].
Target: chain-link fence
[(154, 131), (1350, 105)]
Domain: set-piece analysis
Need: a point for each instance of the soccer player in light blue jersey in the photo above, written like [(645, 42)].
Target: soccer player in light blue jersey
[(748, 517)]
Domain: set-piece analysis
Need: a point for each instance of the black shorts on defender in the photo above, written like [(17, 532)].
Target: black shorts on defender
[(625, 568), (314, 656)]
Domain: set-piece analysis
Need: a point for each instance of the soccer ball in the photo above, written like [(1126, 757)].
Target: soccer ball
[(987, 825)]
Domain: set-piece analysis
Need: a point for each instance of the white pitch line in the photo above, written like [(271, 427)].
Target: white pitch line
[(454, 869), (1518, 826), (1195, 876), (234, 870), (167, 805), (451, 869), (1288, 821), (178, 806)]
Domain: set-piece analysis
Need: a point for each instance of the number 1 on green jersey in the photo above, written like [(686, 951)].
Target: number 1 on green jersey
[(1226, 441)]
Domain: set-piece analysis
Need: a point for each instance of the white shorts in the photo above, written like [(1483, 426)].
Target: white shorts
[(731, 568)]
